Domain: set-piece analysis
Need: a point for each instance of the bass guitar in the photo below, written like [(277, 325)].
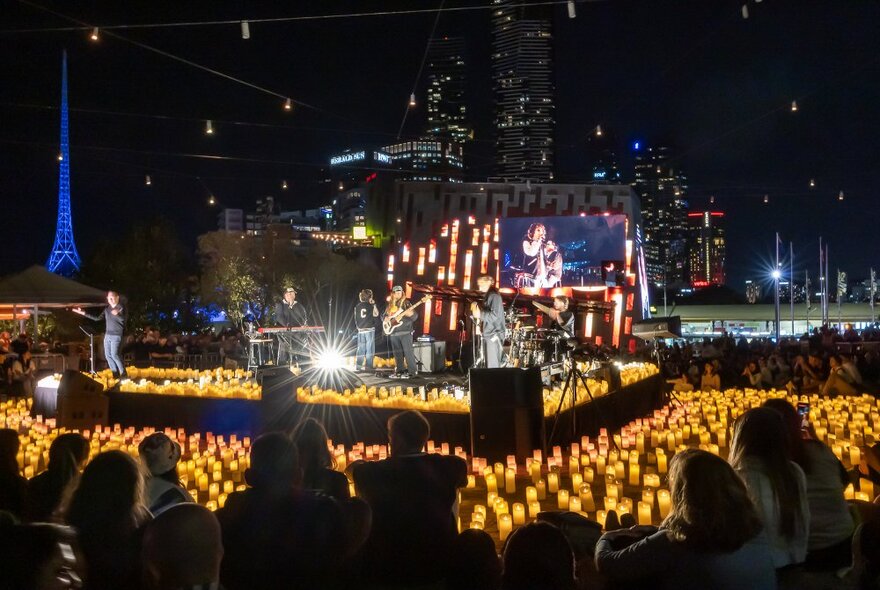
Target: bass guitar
[(390, 323)]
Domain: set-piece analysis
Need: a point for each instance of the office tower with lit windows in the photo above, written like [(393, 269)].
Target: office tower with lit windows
[(447, 109), (706, 249), (522, 70), (602, 160), (662, 188)]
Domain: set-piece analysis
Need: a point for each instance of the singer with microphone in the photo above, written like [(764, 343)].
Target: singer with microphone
[(490, 313), (534, 263)]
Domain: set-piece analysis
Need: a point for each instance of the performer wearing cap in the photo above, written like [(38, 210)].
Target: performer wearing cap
[(490, 313), (289, 313), (365, 314), (401, 337)]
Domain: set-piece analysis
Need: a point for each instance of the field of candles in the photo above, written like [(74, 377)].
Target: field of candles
[(623, 470)]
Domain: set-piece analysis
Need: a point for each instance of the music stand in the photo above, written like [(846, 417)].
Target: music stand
[(91, 334)]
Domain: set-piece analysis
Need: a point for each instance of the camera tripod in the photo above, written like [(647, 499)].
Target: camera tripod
[(574, 376)]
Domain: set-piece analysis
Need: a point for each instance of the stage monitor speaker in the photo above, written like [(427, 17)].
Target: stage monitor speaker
[(507, 412), (649, 329), (81, 403), (74, 382), (431, 355), (278, 406)]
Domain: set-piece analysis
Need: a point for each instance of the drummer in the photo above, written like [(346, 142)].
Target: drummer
[(563, 319)]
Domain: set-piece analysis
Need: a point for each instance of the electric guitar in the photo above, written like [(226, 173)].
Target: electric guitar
[(390, 323)]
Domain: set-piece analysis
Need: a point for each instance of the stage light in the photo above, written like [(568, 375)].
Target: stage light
[(288, 105), (148, 181), (245, 30), (412, 100), (776, 274), (209, 128), (94, 35), (794, 106), (330, 359), (572, 12)]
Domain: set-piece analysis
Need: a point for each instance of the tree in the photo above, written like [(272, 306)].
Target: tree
[(230, 277)]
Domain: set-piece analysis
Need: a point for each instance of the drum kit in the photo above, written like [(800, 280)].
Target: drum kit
[(531, 346)]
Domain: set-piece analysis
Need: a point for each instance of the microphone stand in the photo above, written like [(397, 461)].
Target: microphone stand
[(91, 336)]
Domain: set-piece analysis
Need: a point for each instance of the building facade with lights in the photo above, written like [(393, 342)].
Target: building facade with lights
[(522, 71), (706, 250), (427, 159), (446, 90), (662, 188), (444, 235)]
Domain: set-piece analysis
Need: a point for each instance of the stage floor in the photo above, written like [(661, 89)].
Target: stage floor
[(382, 378)]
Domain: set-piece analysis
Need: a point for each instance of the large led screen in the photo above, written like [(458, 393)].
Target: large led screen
[(547, 252)]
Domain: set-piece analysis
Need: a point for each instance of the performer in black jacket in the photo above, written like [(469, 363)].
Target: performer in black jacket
[(490, 312), (365, 314), (290, 313), (114, 317), (401, 338)]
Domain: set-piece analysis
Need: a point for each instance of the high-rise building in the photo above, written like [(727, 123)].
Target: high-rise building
[(64, 258), (662, 188), (602, 160), (447, 110), (522, 70), (706, 250), (427, 160)]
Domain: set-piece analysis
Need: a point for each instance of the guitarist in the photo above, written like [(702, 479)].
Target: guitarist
[(401, 337), (490, 313)]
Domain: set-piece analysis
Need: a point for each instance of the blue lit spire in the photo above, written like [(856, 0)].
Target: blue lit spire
[(64, 259)]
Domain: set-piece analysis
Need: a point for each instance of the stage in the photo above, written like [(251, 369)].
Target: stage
[(279, 408)]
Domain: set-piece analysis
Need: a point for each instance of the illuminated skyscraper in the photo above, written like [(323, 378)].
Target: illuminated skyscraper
[(707, 248), (447, 109), (662, 188), (64, 259), (522, 66)]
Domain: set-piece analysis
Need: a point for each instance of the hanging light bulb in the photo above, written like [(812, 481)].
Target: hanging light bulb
[(284, 185), (412, 100), (94, 35), (712, 199), (598, 131), (245, 30), (572, 12), (60, 157), (794, 106), (148, 181), (840, 196), (812, 183), (212, 200), (766, 199), (209, 129), (341, 186), (288, 105), (745, 11)]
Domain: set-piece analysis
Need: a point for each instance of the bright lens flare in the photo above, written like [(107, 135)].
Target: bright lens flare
[(330, 360)]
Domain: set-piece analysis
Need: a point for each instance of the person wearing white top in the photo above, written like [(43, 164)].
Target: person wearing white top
[(777, 486)]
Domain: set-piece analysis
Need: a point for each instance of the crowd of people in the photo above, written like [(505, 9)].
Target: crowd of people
[(819, 362), (772, 515)]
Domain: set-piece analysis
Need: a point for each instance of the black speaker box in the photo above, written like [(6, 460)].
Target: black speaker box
[(507, 412), (278, 406), (76, 383)]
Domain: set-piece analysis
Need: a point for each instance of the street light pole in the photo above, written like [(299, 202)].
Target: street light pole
[(776, 290)]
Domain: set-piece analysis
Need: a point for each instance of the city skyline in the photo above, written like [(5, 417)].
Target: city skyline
[(703, 94)]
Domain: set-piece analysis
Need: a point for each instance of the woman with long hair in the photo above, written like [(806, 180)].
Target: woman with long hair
[(760, 454), (67, 455), (13, 486), (712, 537), (107, 510), (316, 461), (829, 544)]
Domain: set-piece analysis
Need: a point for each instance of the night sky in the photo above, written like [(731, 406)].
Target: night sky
[(692, 74)]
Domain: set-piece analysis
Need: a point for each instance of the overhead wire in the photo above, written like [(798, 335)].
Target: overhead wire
[(421, 67)]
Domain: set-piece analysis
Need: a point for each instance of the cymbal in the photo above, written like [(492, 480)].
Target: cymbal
[(525, 328), (523, 315)]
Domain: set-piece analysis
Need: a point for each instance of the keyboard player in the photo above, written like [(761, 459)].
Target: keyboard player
[(289, 313)]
